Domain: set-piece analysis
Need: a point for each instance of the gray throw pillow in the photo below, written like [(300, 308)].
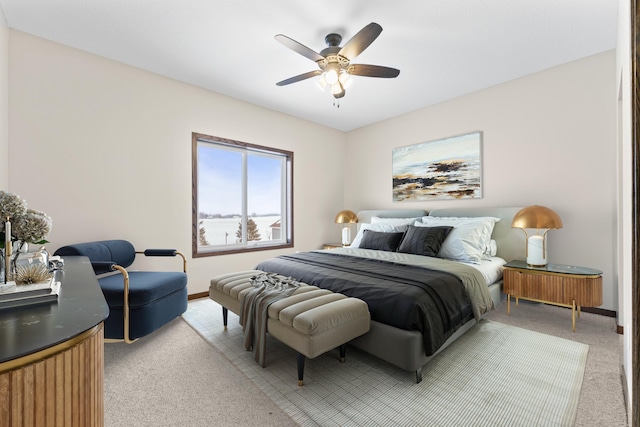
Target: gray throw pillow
[(380, 241), (424, 240)]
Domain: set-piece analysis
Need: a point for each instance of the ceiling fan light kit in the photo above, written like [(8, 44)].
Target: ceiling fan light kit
[(334, 62)]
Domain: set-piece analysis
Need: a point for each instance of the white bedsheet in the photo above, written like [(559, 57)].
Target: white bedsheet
[(491, 269)]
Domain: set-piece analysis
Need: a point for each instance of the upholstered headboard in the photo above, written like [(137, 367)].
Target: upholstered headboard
[(365, 216), (511, 241)]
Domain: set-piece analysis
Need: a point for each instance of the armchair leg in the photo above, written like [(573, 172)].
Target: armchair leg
[(126, 303), (225, 316)]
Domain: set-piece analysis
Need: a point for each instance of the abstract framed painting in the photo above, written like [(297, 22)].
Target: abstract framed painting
[(449, 168)]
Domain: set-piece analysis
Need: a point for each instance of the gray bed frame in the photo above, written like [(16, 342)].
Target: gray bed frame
[(404, 348)]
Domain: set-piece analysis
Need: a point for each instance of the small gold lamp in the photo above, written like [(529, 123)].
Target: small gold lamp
[(542, 219), (347, 218)]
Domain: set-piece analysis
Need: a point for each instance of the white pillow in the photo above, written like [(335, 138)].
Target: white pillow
[(382, 227), (470, 239), (393, 221), (492, 249)]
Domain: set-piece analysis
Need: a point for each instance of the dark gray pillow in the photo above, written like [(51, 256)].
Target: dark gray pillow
[(424, 240), (380, 241)]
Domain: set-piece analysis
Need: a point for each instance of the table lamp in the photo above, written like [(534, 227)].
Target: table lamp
[(542, 219), (347, 218)]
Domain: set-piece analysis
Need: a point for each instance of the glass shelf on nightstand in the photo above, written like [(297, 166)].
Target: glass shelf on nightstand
[(555, 268)]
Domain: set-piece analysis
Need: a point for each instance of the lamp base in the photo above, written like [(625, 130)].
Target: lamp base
[(346, 236), (536, 265), (536, 254)]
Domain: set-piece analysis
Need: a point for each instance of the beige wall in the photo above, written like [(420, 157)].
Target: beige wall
[(548, 139), (4, 103), (105, 150), (115, 141)]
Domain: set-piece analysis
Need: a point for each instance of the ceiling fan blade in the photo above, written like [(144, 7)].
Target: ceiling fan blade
[(360, 41), (299, 47), (372, 71), (299, 77)]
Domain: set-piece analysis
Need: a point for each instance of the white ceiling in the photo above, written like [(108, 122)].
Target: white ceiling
[(443, 48)]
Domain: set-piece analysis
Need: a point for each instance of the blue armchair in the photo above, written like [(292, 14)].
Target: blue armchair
[(139, 301)]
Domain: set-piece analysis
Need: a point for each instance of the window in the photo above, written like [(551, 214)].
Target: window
[(242, 197)]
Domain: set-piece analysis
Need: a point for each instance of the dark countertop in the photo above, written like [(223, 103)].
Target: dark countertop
[(80, 307)]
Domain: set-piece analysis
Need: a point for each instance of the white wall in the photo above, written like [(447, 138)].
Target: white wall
[(105, 150), (548, 139), (625, 189), (4, 103)]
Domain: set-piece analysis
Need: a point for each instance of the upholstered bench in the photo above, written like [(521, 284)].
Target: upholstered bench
[(311, 320)]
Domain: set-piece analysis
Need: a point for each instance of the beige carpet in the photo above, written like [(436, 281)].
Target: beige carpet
[(495, 375), (172, 377)]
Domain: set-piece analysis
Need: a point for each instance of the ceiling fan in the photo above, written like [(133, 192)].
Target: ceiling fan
[(335, 61)]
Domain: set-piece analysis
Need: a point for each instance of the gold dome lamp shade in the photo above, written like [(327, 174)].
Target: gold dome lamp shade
[(542, 219)]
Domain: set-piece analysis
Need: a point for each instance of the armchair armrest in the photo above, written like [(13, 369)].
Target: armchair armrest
[(101, 267), (160, 252), (165, 252)]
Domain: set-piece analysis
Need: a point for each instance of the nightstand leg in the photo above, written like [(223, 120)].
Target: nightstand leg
[(573, 316), (508, 303)]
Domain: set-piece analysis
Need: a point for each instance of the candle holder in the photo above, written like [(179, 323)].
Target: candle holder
[(8, 247)]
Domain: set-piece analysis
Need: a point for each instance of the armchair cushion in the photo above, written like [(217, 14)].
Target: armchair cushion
[(144, 287)]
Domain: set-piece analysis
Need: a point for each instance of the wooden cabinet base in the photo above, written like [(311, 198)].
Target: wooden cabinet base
[(59, 386), (566, 290)]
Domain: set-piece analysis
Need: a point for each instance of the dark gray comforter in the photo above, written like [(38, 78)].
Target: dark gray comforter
[(404, 296)]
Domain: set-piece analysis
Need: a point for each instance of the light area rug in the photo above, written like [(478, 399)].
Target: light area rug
[(494, 375)]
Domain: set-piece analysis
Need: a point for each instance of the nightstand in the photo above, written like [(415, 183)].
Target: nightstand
[(556, 284), (332, 245)]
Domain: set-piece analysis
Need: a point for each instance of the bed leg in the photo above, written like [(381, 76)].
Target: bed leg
[(225, 316), (300, 358), (419, 375), (343, 352)]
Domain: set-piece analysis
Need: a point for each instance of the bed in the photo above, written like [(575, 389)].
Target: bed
[(419, 304)]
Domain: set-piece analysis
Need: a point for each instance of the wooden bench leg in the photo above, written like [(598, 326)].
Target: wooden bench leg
[(225, 316), (300, 369)]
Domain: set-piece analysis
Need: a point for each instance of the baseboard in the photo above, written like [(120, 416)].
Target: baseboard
[(600, 311), (198, 295)]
